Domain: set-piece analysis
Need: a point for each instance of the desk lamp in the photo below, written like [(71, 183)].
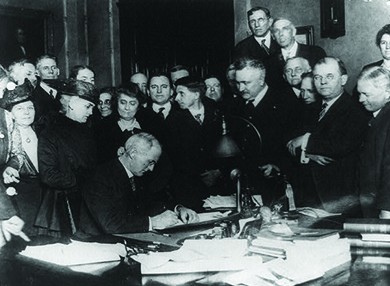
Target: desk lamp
[(227, 147)]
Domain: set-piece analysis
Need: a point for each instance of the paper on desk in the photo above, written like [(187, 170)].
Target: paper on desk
[(317, 213), (274, 272), (199, 256), (75, 253), (215, 202), (203, 217)]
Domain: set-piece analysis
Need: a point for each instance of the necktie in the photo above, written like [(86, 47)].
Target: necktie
[(264, 46), (160, 112), (198, 118), (51, 93), (323, 110), (249, 107)]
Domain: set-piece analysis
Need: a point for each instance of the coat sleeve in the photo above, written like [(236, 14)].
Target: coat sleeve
[(55, 171), (341, 138), (383, 199), (108, 209)]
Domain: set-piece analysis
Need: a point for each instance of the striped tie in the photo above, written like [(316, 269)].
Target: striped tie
[(323, 110)]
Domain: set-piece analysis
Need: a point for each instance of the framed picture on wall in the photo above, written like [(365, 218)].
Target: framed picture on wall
[(305, 35), (26, 28)]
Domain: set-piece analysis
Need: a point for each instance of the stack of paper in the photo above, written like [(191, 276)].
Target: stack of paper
[(216, 202), (305, 248), (200, 256)]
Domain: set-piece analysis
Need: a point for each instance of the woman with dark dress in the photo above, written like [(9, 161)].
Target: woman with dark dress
[(67, 157), (17, 101)]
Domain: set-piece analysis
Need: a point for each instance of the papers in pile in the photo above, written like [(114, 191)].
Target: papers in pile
[(200, 256), (216, 202)]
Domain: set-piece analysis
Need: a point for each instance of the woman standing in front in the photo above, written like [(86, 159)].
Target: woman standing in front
[(67, 157)]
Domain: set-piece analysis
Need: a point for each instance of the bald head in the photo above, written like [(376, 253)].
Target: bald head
[(141, 80)]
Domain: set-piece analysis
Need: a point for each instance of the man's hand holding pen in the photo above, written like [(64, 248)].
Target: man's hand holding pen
[(170, 218), (186, 215)]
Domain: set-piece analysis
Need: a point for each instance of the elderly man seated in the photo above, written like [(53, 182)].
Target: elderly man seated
[(115, 203)]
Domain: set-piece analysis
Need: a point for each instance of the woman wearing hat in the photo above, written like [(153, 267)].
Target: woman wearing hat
[(67, 156), (10, 159), (17, 100)]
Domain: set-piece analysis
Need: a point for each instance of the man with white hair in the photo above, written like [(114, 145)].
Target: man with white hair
[(284, 33), (293, 71), (21, 69), (115, 202)]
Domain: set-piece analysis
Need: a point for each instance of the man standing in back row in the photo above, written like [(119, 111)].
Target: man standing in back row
[(284, 33), (260, 45)]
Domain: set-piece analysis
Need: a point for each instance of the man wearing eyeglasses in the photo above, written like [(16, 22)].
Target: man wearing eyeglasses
[(260, 45), (331, 148), (115, 203)]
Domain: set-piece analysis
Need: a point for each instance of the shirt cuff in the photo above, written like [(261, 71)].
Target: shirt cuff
[(177, 209), (305, 139), (150, 224)]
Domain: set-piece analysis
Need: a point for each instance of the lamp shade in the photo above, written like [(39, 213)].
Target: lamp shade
[(227, 147)]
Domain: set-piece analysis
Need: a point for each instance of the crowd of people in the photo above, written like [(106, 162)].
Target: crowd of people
[(78, 161)]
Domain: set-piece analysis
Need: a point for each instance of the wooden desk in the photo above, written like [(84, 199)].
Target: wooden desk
[(16, 270)]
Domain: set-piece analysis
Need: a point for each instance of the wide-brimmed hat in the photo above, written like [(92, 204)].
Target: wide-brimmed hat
[(14, 94), (72, 87)]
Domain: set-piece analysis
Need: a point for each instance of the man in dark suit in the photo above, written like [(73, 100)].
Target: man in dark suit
[(260, 44), (284, 33), (44, 95), (374, 182), (192, 139), (115, 203), (271, 114), (160, 91), (331, 147)]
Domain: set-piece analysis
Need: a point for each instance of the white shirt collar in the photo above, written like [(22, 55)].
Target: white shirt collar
[(375, 113), (267, 38), (260, 96), (197, 111), (47, 88), (291, 52), (297, 92), (129, 174), (128, 125), (167, 108)]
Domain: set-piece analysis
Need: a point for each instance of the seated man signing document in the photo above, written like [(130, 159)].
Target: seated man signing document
[(114, 203)]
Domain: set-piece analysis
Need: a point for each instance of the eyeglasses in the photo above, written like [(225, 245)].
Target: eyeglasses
[(213, 86), (328, 77), (260, 21), (295, 70)]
